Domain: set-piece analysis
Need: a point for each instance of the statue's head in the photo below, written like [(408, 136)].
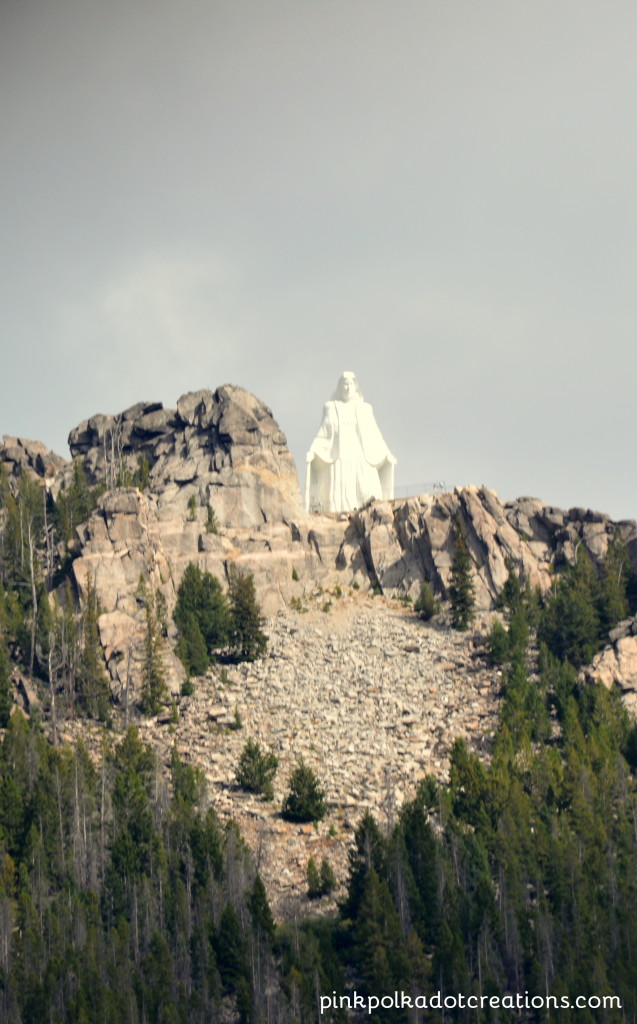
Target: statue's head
[(347, 388)]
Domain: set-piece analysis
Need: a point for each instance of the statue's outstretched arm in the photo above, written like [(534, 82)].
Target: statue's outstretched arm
[(324, 443), (374, 446)]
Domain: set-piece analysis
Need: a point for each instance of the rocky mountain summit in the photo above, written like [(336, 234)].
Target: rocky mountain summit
[(19, 455), (217, 486), (369, 696), (225, 449)]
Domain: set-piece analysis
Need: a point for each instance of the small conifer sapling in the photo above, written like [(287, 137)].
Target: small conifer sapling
[(461, 587)]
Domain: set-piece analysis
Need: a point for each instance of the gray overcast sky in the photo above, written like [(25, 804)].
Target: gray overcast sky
[(436, 194)]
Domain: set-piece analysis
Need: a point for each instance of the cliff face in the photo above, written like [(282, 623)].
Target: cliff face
[(390, 545), (18, 455), (402, 542), (224, 451)]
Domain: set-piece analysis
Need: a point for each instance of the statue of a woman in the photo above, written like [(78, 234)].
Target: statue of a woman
[(349, 462)]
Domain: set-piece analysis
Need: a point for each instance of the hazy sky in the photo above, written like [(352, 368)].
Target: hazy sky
[(437, 194)]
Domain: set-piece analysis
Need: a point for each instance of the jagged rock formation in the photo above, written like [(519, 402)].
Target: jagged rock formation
[(221, 451), (391, 545), (616, 665), (18, 455), (404, 541), (224, 451)]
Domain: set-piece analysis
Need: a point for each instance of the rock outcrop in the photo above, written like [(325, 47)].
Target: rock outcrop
[(391, 546), (399, 543), (224, 449), (18, 455), (219, 459), (219, 488), (616, 665)]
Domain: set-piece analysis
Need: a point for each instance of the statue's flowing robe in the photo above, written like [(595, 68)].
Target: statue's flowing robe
[(349, 462)]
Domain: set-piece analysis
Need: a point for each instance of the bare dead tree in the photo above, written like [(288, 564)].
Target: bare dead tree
[(112, 446), (48, 541)]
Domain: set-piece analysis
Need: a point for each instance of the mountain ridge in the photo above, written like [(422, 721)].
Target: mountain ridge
[(223, 454)]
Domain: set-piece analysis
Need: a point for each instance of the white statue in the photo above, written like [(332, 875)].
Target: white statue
[(349, 462)]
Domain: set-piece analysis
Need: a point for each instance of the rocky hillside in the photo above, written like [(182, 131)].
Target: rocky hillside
[(367, 694), (353, 681), (223, 451)]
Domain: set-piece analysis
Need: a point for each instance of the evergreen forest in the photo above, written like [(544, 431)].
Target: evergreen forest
[(124, 901)]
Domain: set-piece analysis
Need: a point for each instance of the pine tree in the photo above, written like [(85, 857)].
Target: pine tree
[(313, 880), (212, 523), (22, 539), (461, 587), (612, 602), (379, 948), (248, 640), (260, 909), (75, 504), (157, 971), (154, 689), (519, 634), (230, 948), (426, 604), (306, 798), (201, 612), (497, 644), (569, 624), (256, 769), (328, 878), (511, 594), (469, 785), (92, 684), (6, 701), (369, 851), (191, 646)]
